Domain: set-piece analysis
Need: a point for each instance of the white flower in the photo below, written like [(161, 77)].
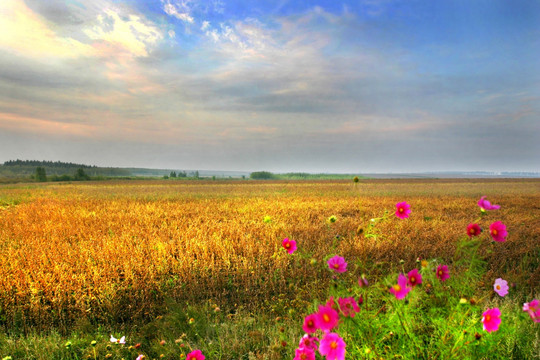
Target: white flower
[(122, 340)]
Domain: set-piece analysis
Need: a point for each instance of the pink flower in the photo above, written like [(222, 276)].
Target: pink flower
[(403, 210), (400, 290), (195, 355), (140, 357), (338, 264), (501, 287), (414, 278), (327, 318), (308, 341), (442, 272), (498, 231), (363, 282), (348, 306), (473, 230), (486, 205), (310, 322), (289, 245), (491, 319), (533, 308), (333, 347), (304, 354)]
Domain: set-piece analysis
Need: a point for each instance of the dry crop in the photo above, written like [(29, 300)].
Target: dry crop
[(114, 251)]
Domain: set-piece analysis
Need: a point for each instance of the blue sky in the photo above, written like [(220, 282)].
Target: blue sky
[(315, 86)]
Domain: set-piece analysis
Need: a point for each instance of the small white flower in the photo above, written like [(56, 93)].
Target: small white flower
[(122, 340)]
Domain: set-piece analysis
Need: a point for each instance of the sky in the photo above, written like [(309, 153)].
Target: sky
[(323, 86)]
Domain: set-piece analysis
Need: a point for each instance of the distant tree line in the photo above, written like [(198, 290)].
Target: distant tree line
[(55, 164), (80, 175)]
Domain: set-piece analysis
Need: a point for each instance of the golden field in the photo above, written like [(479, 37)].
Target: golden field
[(115, 251)]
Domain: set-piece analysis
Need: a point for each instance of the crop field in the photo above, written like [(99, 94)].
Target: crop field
[(111, 253)]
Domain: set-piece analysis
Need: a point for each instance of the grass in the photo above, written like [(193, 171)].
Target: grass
[(201, 264)]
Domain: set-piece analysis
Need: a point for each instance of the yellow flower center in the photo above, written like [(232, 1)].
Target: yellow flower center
[(336, 266), (326, 317), (440, 273), (287, 245), (412, 279), (401, 210), (494, 232), (488, 317), (333, 345), (397, 287), (310, 323), (498, 287)]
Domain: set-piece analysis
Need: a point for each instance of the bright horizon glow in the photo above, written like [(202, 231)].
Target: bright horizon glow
[(365, 86)]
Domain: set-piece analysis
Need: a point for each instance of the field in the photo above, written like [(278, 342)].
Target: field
[(158, 259)]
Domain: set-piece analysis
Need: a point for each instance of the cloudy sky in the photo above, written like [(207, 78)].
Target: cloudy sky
[(315, 86)]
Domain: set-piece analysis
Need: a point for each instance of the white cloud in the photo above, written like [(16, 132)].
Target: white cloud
[(132, 35), (172, 34), (179, 10), (205, 25)]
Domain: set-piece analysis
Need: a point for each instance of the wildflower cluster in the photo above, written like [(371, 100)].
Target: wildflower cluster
[(323, 323)]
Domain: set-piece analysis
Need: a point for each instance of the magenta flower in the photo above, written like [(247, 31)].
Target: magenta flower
[(348, 306), (400, 290), (363, 282), (486, 205), (533, 308), (310, 324), (491, 319), (308, 341), (195, 355), (403, 210), (333, 347), (414, 278), (338, 264), (326, 318), (473, 230), (501, 287), (304, 354), (289, 245), (442, 272), (498, 231)]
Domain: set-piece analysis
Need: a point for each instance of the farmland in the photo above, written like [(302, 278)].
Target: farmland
[(108, 253)]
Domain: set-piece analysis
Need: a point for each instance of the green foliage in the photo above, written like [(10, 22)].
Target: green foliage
[(41, 175), (261, 175), (80, 175)]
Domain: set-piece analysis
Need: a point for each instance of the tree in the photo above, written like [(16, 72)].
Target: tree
[(41, 175), (261, 175), (173, 174), (81, 175)]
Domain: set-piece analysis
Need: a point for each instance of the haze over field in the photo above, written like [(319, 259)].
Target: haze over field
[(314, 86)]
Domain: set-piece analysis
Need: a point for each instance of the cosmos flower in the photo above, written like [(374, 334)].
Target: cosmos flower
[(400, 290), (310, 324), (309, 341), (304, 354), (501, 287), (195, 355), (533, 308), (403, 210), (491, 319), (473, 230), (289, 245), (486, 205), (333, 347), (122, 340), (326, 318), (337, 264), (348, 306), (414, 278), (498, 231), (442, 272), (362, 281)]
